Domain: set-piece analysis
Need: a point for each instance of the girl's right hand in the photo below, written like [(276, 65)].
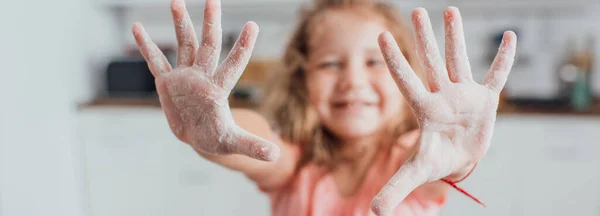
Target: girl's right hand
[(194, 94)]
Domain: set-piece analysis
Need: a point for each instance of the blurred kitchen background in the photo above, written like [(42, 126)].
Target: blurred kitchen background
[(82, 133)]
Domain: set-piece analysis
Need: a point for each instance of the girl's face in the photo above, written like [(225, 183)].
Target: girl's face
[(348, 80)]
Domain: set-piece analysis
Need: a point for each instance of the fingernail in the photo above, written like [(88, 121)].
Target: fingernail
[(452, 8), (379, 206), (253, 26), (422, 10), (271, 153)]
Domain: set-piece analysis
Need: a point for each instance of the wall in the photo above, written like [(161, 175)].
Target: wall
[(101, 29), (40, 168)]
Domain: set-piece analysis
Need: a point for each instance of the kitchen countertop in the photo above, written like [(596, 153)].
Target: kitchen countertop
[(506, 108), (514, 108), (147, 102)]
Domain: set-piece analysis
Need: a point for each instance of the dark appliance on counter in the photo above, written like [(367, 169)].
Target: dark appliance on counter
[(129, 79)]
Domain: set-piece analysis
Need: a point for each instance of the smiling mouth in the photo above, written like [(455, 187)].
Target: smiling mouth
[(352, 104)]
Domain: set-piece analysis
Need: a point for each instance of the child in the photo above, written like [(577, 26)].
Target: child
[(348, 111)]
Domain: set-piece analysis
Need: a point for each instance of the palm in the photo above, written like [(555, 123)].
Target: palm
[(456, 115), (462, 118), (194, 94), (192, 103)]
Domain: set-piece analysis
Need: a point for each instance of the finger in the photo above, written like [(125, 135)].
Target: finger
[(233, 66), (407, 80), (428, 50), (157, 62), (186, 35), (245, 143), (457, 62), (210, 49), (407, 179), (496, 77)]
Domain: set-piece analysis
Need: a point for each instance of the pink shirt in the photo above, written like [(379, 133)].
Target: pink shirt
[(313, 192)]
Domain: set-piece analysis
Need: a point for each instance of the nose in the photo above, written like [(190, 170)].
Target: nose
[(353, 76)]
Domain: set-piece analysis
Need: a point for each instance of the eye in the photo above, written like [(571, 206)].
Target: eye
[(329, 64), (375, 62)]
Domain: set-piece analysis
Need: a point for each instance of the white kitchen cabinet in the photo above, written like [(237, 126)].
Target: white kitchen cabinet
[(536, 165), (124, 163), (561, 176), (136, 167)]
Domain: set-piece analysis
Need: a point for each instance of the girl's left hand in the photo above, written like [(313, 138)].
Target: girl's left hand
[(456, 116)]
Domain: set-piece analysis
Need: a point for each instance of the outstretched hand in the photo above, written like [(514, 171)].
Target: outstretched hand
[(456, 116), (194, 94)]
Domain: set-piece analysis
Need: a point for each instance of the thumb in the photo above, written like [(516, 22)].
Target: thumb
[(407, 179), (244, 143)]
